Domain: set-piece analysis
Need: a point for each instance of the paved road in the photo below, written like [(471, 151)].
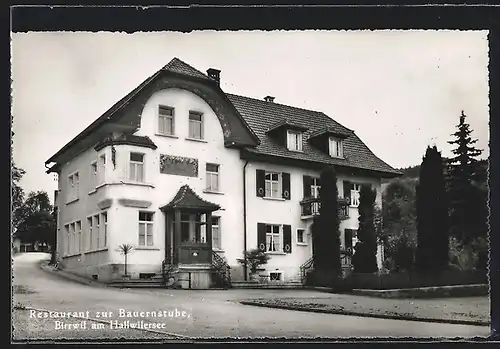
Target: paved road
[(208, 314)]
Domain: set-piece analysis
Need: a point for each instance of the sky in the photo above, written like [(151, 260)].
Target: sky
[(400, 91)]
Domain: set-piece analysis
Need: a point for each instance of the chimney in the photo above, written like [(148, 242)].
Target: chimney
[(214, 74), (269, 99)]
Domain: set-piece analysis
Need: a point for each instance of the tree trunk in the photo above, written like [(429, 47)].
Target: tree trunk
[(126, 274)]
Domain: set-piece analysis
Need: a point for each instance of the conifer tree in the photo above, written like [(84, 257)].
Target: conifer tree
[(325, 228), (466, 220), (432, 214), (364, 259)]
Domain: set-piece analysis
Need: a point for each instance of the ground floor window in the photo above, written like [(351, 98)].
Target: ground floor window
[(216, 238), (146, 228), (273, 238), (275, 276)]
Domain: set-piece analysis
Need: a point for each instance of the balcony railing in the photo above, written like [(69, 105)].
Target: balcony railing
[(310, 207)]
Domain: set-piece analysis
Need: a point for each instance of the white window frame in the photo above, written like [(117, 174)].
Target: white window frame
[(336, 147), (279, 272), (73, 186), (216, 227), (355, 190), (304, 237), (101, 169), (196, 122), (78, 236), (294, 140), (210, 178), (96, 223), (94, 174), (68, 242), (104, 220), (136, 166), (272, 236), (270, 182), (146, 223), (163, 118), (90, 223)]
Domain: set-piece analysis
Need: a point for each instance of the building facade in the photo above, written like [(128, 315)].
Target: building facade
[(186, 173)]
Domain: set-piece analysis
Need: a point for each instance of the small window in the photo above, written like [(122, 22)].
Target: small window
[(136, 172), (216, 237), (355, 189), (301, 236), (93, 174), (275, 276), (212, 177), (101, 171), (195, 125), (165, 121), (336, 148), (294, 140)]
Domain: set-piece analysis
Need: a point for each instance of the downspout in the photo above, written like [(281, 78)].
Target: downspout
[(245, 267)]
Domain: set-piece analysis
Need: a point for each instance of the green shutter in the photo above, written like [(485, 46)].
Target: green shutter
[(261, 236), (287, 238), (285, 184), (260, 180)]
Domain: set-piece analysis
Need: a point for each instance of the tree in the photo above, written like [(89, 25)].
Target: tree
[(325, 228), (17, 193), (125, 250), (466, 217), (400, 223), (364, 259), (432, 214), (36, 220)]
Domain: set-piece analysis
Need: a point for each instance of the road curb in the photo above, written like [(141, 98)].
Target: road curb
[(379, 316), (23, 307)]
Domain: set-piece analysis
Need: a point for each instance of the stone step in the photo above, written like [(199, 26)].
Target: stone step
[(243, 284)]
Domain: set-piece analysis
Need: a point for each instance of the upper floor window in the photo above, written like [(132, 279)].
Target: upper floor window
[(73, 186), (93, 174), (315, 187), (195, 125), (355, 189), (165, 120), (294, 140), (212, 177), (336, 148), (136, 172), (273, 185), (101, 171)]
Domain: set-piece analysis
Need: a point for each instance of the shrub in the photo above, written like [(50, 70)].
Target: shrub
[(254, 259)]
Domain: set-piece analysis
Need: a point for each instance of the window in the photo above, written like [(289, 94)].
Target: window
[(165, 121), (93, 175), (96, 230), (105, 229), (101, 171), (136, 173), (294, 140), (275, 276), (195, 125), (90, 239), (72, 238), (73, 186), (301, 236), (212, 177), (356, 188), (336, 148), (216, 238), (273, 184), (273, 238), (193, 228), (67, 245), (78, 236), (145, 228), (315, 187)]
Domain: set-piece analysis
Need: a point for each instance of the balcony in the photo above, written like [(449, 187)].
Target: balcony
[(310, 208)]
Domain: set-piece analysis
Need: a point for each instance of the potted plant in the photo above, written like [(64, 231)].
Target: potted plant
[(253, 258), (125, 249)]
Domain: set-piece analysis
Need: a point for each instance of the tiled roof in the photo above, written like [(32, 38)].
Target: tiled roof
[(178, 66), (286, 122), (187, 198), (261, 115)]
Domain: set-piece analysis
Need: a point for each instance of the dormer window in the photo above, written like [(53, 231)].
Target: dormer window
[(294, 140), (336, 148)]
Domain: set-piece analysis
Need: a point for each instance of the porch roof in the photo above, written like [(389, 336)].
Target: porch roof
[(186, 198)]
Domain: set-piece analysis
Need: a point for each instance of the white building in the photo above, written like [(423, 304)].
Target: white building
[(185, 172)]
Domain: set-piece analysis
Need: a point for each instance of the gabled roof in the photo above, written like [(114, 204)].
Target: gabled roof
[(262, 115), (186, 198), (179, 67), (286, 123)]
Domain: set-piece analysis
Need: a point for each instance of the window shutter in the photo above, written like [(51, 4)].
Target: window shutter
[(287, 238), (260, 180), (307, 186), (261, 236), (285, 184), (347, 190)]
